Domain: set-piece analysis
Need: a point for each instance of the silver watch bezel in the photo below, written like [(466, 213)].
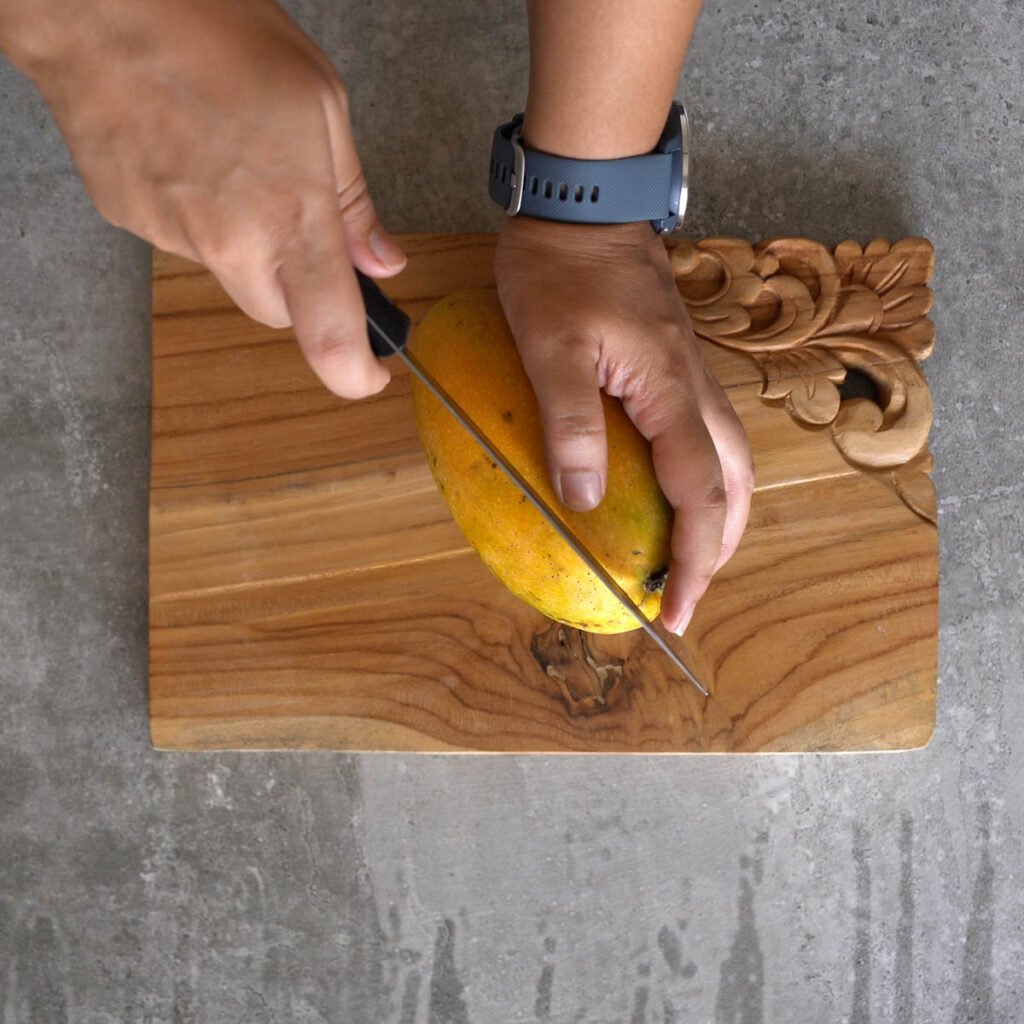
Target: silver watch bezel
[(518, 173), (684, 174)]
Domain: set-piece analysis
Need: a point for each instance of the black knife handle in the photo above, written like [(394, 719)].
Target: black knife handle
[(383, 317)]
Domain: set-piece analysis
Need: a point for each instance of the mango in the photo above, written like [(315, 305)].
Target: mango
[(465, 342)]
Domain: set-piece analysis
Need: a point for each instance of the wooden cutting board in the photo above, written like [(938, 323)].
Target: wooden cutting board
[(308, 588)]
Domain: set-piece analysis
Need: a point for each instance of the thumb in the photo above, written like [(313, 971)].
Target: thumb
[(370, 246), (565, 383)]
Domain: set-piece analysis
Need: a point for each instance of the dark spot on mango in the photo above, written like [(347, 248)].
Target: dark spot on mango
[(655, 583), (507, 415)]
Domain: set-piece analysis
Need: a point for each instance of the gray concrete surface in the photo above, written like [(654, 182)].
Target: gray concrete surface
[(137, 886)]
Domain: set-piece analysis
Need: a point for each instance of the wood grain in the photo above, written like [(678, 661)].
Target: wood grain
[(309, 589)]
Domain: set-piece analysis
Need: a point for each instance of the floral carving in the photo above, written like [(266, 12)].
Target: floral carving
[(808, 317)]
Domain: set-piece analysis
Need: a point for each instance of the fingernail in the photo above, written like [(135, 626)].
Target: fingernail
[(683, 621), (581, 490), (386, 249)]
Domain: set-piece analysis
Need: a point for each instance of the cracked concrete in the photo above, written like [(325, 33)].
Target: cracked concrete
[(145, 887)]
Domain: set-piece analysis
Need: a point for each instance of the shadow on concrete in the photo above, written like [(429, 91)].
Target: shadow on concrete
[(758, 189)]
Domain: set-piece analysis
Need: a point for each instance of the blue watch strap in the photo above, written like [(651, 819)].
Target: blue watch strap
[(617, 191)]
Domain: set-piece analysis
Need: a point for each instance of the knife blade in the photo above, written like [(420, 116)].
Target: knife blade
[(389, 328)]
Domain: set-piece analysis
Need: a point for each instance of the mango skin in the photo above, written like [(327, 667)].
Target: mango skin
[(465, 342)]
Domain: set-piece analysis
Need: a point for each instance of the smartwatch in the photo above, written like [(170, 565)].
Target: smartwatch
[(651, 187)]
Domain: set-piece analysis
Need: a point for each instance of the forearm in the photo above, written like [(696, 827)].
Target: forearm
[(603, 73)]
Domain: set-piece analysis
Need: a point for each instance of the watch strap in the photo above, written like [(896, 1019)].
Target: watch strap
[(579, 191)]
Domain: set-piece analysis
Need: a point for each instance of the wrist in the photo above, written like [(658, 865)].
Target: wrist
[(567, 133), (579, 237)]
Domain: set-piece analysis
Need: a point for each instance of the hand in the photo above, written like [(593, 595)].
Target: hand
[(217, 130), (596, 306)]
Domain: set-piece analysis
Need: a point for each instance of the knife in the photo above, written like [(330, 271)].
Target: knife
[(389, 328)]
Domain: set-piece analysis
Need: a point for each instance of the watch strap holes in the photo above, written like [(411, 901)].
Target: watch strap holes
[(547, 188)]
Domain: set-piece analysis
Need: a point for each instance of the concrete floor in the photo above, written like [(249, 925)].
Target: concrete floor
[(294, 887)]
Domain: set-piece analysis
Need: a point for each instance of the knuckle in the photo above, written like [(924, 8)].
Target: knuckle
[(664, 334), (152, 230), (575, 426), (703, 580), (715, 498), (580, 345), (211, 239), (216, 252), (548, 352), (338, 361), (669, 363), (354, 196), (157, 234), (666, 329), (333, 347), (698, 579)]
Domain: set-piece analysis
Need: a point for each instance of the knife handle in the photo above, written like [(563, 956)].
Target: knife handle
[(384, 319)]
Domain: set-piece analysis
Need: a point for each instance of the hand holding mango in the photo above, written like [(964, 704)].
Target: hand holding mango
[(596, 308)]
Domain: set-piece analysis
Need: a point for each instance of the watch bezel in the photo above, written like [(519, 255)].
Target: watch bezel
[(515, 201), (676, 140)]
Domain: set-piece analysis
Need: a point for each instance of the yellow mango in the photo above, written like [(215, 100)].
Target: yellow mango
[(465, 342)]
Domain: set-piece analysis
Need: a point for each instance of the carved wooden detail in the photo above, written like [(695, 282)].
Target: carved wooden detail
[(808, 317)]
